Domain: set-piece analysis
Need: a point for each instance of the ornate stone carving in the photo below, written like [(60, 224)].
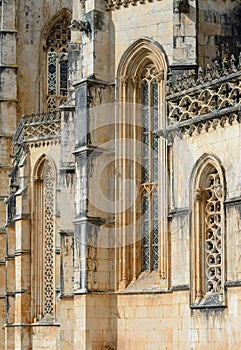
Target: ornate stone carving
[(57, 58), (213, 235), (81, 25), (211, 124), (151, 73), (124, 80), (180, 6), (135, 80), (37, 126), (198, 195), (149, 187), (49, 244), (210, 74), (205, 101), (116, 4)]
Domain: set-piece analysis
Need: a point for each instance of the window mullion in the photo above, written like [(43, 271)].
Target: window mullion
[(57, 79)]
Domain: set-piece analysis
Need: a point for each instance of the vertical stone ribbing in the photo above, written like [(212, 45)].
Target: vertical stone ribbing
[(22, 259), (8, 116), (163, 192)]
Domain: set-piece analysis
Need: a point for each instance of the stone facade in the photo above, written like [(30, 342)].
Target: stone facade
[(120, 164)]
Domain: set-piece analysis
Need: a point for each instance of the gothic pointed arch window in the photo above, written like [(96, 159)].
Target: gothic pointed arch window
[(44, 242), (143, 225), (149, 178), (57, 66), (208, 236)]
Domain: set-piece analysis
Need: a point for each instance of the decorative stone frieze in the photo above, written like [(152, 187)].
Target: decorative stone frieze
[(210, 74), (38, 126), (206, 101), (116, 4), (202, 125)]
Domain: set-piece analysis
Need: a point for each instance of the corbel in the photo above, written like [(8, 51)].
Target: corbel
[(180, 6), (80, 25)]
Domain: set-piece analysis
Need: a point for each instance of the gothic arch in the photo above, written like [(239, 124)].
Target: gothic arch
[(138, 54), (207, 233), (39, 163), (201, 167), (52, 22), (143, 66), (54, 83)]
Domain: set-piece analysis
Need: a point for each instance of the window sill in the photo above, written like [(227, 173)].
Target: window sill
[(210, 306), (146, 282), (211, 301)]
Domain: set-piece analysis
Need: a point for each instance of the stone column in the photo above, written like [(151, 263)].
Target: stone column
[(163, 190), (91, 91), (22, 259)]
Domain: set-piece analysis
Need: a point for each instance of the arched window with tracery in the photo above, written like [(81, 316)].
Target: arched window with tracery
[(57, 66), (208, 253), (149, 181), (44, 242), (142, 225)]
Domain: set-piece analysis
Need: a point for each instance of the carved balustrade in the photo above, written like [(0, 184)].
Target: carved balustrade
[(201, 101), (36, 127)]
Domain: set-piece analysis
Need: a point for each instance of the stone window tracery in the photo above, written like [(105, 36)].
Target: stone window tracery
[(208, 241), (44, 243), (149, 99), (213, 234), (49, 243), (57, 68), (143, 235)]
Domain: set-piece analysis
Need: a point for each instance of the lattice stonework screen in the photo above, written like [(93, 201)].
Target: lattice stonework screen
[(49, 243), (57, 45), (149, 96), (43, 251), (213, 234)]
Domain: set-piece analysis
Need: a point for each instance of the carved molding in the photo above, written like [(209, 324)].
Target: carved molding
[(116, 4), (213, 124), (210, 74), (37, 126), (205, 101), (124, 80)]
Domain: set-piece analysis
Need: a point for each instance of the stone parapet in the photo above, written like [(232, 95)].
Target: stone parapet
[(213, 94), (37, 126)]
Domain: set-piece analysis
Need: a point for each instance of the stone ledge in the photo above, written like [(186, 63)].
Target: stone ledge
[(231, 284), (232, 201), (69, 233), (19, 252), (6, 66), (9, 31), (216, 307), (180, 287), (66, 296), (179, 211), (5, 99)]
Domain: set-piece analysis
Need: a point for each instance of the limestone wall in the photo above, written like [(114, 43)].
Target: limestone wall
[(218, 30), (165, 321), (31, 24)]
